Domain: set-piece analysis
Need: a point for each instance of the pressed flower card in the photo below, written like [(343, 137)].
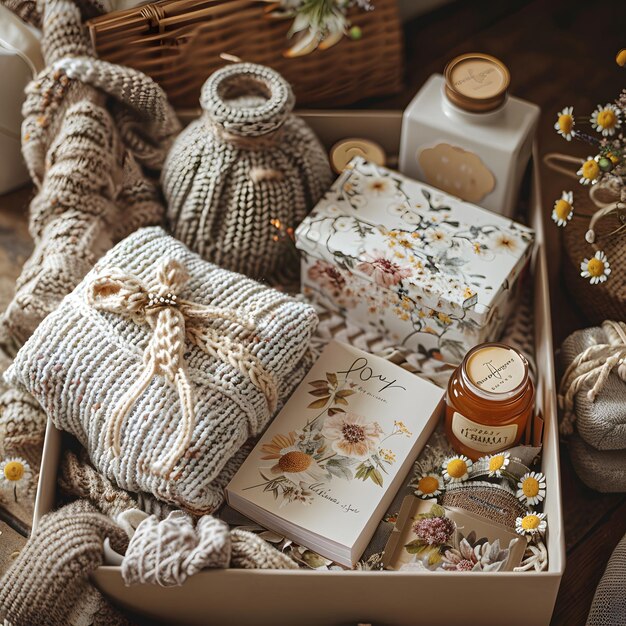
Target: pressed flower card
[(430, 537), (328, 466)]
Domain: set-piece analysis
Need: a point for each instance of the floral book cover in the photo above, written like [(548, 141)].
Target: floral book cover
[(329, 464)]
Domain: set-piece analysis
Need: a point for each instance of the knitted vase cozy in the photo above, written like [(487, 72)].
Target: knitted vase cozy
[(239, 178), (163, 365)]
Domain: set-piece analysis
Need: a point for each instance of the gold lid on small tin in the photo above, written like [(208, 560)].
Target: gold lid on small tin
[(345, 150), (476, 82)]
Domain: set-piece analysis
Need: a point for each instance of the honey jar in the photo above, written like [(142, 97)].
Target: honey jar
[(490, 399)]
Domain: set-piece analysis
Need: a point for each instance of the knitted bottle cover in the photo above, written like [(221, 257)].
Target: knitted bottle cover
[(239, 178)]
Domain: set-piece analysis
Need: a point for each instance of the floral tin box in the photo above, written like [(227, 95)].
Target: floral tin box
[(435, 273)]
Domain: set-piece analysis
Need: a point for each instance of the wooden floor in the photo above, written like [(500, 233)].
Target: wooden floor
[(559, 53)]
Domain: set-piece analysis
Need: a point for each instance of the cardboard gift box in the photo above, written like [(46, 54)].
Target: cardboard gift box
[(332, 598), (436, 274)]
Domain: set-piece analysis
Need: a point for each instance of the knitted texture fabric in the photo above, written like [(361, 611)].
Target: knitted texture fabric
[(609, 602), (91, 368), (242, 176), (602, 470), (249, 551), (92, 135), (167, 552), (22, 426), (599, 415), (49, 579)]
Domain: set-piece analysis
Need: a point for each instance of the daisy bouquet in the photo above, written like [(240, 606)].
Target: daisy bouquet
[(317, 23), (603, 173)]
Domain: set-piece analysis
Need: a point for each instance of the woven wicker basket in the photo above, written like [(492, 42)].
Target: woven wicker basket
[(179, 42), (604, 301)]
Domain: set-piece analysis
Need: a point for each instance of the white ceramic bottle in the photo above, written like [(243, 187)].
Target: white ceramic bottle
[(464, 134)]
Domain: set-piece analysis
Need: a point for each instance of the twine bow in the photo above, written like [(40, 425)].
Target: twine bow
[(593, 366), (173, 322)]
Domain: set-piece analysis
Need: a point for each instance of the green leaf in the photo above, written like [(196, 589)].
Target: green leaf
[(319, 393), (344, 393), (339, 470), (319, 404), (437, 511), (376, 476), (434, 557), (334, 410), (417, 546)]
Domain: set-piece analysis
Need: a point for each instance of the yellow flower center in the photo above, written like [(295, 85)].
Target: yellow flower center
[(566, 122), (606, 118), (590, 169), (620, 59), (530, 522), (14, 470), (457, 468), (428, 484), (496, 463), (562, 208), (294, 462), (595, 267), (530, 487)]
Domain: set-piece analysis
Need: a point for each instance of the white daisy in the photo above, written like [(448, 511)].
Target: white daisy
[(429, 485), (497, 463), (15, 474), (504, 242), (589, 171), (343, 224), (596, 268), (531, 524), (531, 488), (565, 123), (456, 469), (606, 119), (379, 186), (438, 238), (563, 209)]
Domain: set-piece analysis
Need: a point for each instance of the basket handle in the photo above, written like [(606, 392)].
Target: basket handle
[(552, 161)]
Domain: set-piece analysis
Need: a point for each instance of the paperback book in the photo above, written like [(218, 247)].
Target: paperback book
[(332, 460)]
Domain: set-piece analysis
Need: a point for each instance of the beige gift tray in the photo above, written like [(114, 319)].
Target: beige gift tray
[(315, 598)]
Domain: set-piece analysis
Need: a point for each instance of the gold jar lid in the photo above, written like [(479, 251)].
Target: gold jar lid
[(345, 150), (476, 82)]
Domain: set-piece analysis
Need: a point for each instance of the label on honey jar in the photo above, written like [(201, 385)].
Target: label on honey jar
[(496, 369), (481, 437)]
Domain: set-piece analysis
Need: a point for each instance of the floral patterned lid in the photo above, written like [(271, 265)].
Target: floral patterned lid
[(415, 240)]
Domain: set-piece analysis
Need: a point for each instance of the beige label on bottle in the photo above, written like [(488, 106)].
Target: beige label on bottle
[(496, 369), (481, 437), (456, 171)]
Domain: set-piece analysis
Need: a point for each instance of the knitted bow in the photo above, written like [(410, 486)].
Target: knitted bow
[(593, 366), (173, 321)]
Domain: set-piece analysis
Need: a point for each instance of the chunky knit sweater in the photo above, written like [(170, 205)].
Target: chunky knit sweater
[(94, 137), (49, 581), (94, 134)]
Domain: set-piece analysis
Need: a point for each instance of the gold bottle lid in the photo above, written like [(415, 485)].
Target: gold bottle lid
[(343, 152), (476, 82)]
